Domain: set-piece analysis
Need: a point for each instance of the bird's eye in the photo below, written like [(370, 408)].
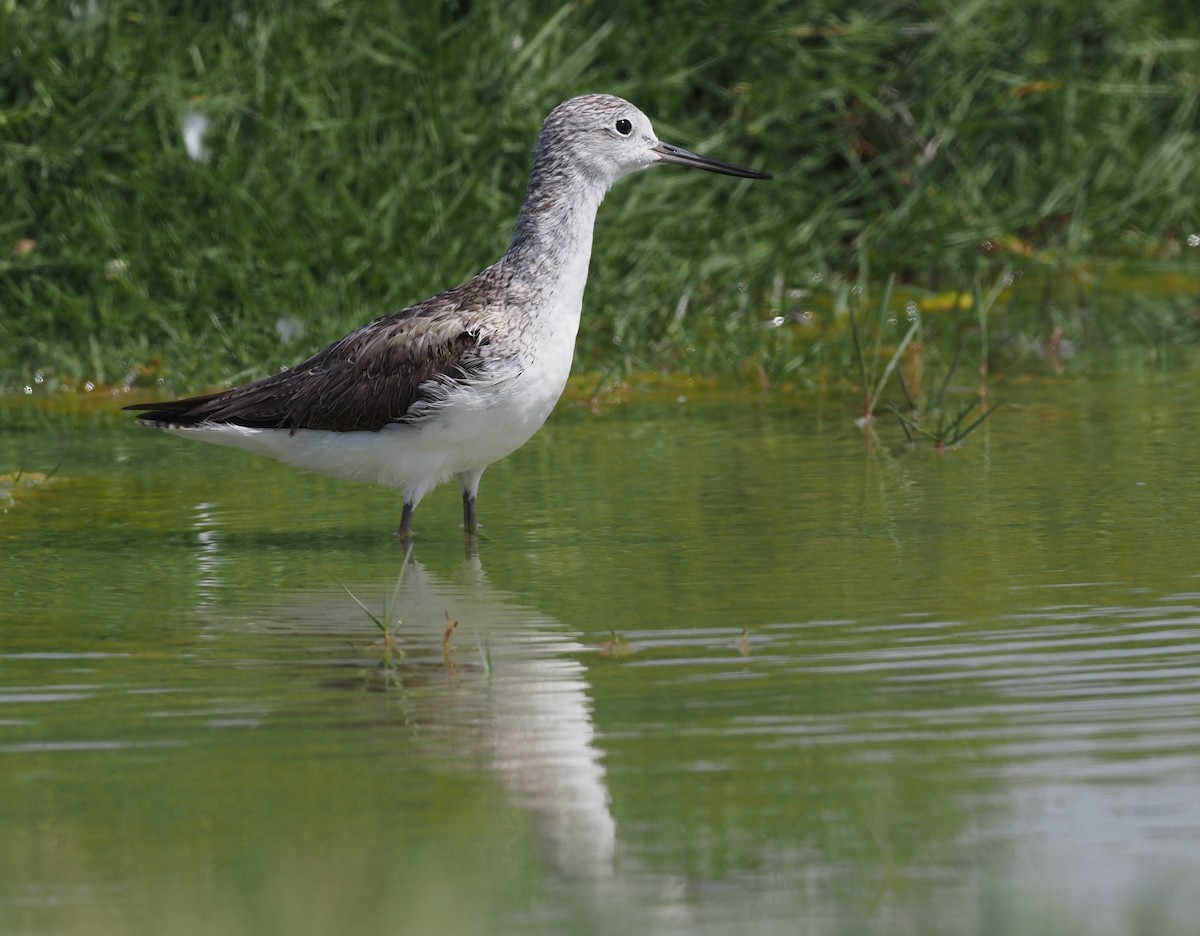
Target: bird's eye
[(624, 127)]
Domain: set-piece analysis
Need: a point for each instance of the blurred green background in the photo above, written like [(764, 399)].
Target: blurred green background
[(359, 156)]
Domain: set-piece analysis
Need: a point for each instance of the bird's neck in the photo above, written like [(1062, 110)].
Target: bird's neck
[(552, 241)]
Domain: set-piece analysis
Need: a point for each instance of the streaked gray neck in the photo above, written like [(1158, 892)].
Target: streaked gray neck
[(553, 235)]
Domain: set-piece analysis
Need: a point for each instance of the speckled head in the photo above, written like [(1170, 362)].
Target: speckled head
[(606, 138)]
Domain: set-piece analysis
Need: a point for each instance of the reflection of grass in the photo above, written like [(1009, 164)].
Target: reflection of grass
[(949, 429), (13, 483), (485, 655)]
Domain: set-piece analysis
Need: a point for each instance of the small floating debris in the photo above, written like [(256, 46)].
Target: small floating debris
[(15, 482), (616, 648)]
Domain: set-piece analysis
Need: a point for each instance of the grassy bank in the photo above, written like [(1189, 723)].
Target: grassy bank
[(360, 156)]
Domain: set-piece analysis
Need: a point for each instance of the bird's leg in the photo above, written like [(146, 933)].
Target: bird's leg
[(470, 488), (405, 531), (470, 519)]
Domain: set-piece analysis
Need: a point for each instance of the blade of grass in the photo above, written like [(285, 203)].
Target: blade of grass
[(978, 422), (369, 613), (891, 365)]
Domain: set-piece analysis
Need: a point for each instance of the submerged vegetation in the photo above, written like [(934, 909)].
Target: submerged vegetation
[(201, 194)]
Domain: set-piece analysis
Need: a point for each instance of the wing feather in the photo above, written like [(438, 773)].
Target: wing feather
[(364, 381)]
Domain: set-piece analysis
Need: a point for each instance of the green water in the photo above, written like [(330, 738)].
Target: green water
[(854, 688)]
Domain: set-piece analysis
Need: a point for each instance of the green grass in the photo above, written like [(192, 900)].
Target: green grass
[(389, 624), (361, 156)]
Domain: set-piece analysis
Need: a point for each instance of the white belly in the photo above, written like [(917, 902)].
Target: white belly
[(471, 427)]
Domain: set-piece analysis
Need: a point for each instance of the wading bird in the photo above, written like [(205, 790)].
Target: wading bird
[(447, 386)]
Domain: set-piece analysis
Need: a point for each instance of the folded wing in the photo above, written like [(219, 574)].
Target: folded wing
[(363, 382)]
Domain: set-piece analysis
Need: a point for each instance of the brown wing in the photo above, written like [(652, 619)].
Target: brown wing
[(366, 380)]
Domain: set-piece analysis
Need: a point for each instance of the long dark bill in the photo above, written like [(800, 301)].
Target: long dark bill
[(682, 157)]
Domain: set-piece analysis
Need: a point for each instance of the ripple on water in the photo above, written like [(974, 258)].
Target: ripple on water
[(1082, 681)]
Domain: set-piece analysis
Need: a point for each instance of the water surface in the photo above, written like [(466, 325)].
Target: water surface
[(719, 667)]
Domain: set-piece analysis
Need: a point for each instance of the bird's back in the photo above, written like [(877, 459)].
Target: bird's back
[(365, 381)]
